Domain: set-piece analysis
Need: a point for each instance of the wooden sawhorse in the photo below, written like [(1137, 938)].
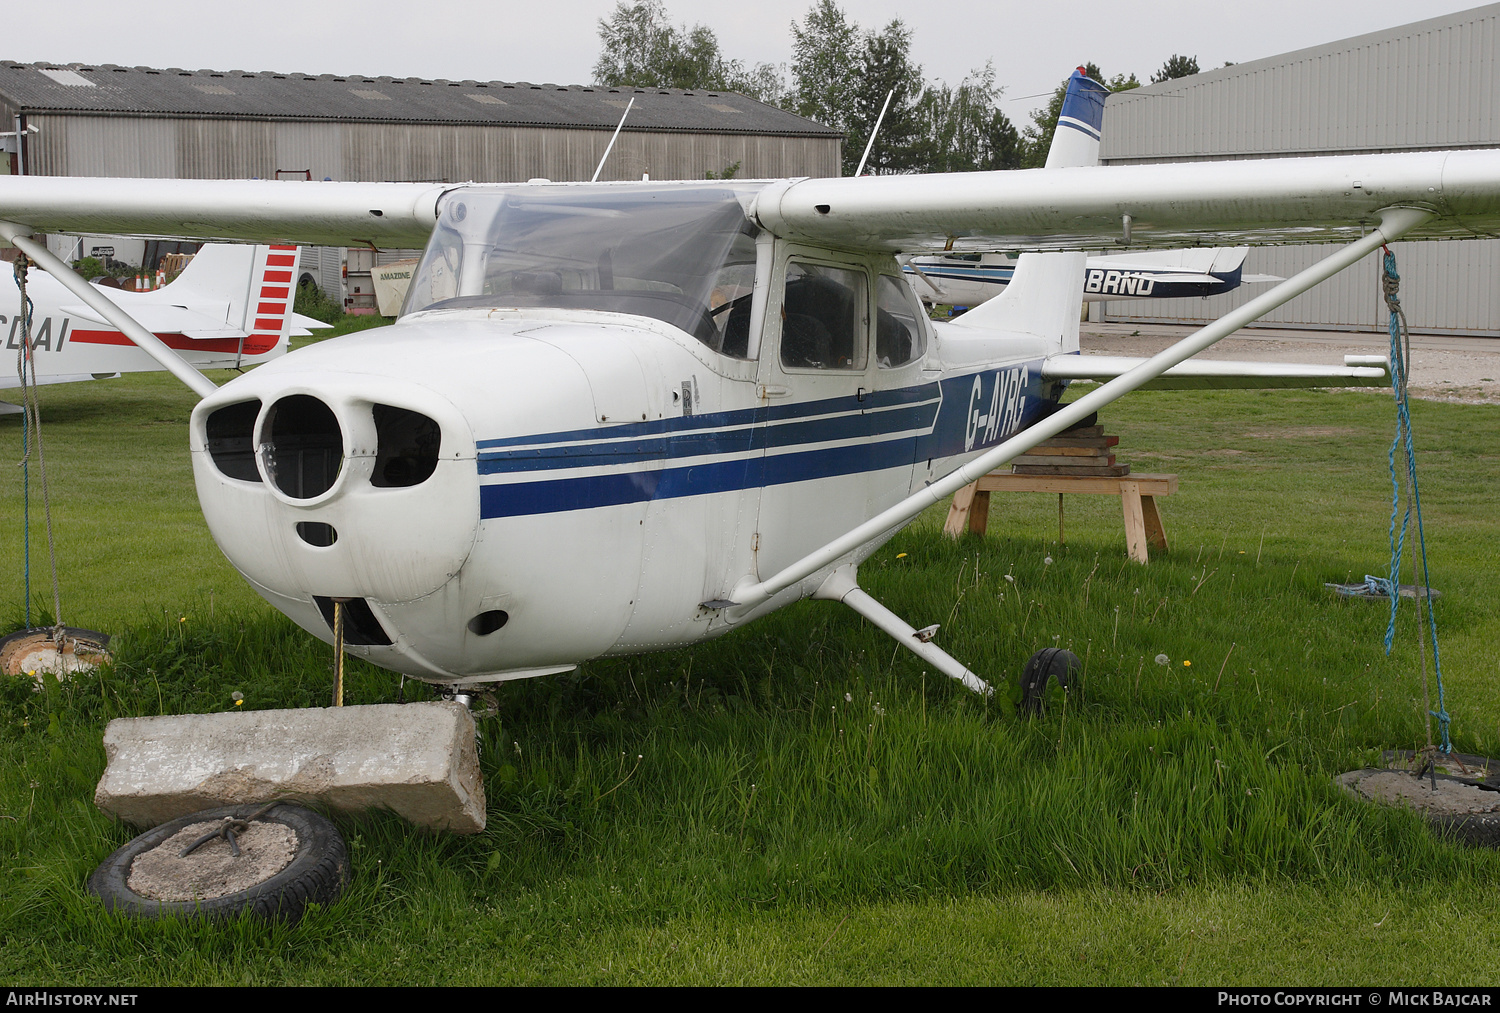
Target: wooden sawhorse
[(971, 504)]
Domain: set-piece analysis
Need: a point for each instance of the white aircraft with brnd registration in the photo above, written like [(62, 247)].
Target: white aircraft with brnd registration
[(623, 417), (968, 279)]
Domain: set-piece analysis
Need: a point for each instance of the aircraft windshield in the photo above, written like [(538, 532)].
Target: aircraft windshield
[(681, 254)]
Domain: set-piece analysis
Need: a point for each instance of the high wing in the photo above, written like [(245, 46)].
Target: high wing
[(1227, 203), (391, 215), (1203, 374)]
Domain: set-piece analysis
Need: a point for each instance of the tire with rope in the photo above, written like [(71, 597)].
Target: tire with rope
[(61, 651), (271, 861)]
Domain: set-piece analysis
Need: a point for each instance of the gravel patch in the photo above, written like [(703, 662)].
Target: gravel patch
[(1454, 369)]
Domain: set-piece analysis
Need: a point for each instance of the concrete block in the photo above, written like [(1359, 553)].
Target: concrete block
[(417, 759)]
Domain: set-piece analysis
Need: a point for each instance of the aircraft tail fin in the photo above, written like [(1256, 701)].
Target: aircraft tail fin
[(1075, 142), (256, 286), (1045, 295)]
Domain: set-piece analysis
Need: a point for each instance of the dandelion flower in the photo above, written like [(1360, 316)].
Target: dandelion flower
[(1186, 663), (182, 619), (900, 555), (1162, 659), (1047, 561), (848, 697)]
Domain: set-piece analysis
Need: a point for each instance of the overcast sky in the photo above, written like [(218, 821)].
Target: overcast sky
[(1033, 45)]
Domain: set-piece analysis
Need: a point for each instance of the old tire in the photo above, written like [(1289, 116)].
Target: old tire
[(1046, 664), (317, 872)]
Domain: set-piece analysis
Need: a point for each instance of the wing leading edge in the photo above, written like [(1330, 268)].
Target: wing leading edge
[(1228, 203), (391, 215)]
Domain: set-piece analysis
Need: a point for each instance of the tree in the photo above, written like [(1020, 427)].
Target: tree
[(1177, 66), (964, 129), (825, 48), (1037, 138), (640, 48), (886, 69), (765, 82), (840, 76)]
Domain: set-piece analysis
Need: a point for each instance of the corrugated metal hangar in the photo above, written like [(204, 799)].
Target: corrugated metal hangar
[(104, 120), (1426, 86)]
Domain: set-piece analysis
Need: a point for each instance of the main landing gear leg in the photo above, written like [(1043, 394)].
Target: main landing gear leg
[(840, 586)]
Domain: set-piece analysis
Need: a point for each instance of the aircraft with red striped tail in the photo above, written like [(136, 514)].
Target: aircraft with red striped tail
[(229, 308)]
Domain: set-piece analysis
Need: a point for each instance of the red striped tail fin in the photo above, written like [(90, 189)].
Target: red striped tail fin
[(268, 306)]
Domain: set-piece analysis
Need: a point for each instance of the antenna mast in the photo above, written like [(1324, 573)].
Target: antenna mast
[(612, 137), (873, 134)]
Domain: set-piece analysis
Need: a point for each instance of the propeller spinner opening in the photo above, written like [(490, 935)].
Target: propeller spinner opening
[(302, 448)]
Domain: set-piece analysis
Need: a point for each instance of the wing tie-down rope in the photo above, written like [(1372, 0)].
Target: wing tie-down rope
[(31, 436), (1390, 287)]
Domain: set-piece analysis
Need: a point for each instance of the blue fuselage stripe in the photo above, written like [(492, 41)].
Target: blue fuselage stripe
[(696, 480), (873, 400), (677, 446), (888, 429)]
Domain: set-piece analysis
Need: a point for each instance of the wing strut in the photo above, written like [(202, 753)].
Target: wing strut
[(840, 586), (1394, 223), (20, 237)]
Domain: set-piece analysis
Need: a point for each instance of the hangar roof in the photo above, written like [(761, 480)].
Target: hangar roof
[(110, 90)]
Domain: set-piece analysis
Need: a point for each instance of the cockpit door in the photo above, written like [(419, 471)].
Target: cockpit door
[(816, 372)]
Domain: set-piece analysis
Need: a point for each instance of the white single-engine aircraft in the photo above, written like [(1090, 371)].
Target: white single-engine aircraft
[(969, 279), (230, 307), (623, 417)]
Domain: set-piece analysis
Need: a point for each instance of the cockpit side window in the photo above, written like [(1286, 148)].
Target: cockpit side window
[(824, 319), (730, 299), (899, 335)]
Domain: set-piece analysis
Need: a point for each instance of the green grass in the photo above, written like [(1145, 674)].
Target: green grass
[(799, 802)]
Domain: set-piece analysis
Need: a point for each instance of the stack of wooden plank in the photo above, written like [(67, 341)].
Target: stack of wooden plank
[(1084, 452)]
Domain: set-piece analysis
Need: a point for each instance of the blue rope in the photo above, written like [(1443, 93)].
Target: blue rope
[(26, 507), (1391, 283), (24, 359)]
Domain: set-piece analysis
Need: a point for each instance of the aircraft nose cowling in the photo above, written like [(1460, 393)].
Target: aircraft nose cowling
[(335, 486)]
